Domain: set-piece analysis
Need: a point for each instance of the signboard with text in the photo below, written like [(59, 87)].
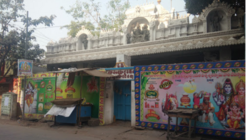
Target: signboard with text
[(122, 73)]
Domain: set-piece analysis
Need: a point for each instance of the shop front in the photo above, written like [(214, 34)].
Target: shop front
[(216, 88), (119, 95), (40, 92)]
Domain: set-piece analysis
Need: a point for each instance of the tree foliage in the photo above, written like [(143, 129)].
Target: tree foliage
[(13, 37), (75, 26), (88, 14), (196, 6)]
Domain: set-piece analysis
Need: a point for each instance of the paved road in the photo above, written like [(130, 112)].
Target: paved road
[(13, 132)]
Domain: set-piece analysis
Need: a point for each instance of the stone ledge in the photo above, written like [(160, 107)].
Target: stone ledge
[(157, 42), (150, 49)]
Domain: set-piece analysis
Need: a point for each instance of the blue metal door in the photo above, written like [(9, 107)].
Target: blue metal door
[(122, 100)]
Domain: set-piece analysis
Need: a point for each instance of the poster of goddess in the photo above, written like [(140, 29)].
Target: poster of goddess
[(217, 89), (25, 67)]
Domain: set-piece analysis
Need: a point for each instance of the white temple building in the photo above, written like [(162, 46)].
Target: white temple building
[(152, 35)]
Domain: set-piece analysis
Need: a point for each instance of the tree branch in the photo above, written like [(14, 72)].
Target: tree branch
[(7, 71), (4, 57)]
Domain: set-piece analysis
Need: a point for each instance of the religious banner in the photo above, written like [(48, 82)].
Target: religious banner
[(90, 93), (25, 67), (216, 88), (40, 92)]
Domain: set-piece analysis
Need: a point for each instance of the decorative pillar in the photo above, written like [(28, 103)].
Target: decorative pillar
[(154, 35), (152, 32), (124, 41), (77, 45), (82, 46), (195, 28), (205, 26), (228, 23), (74, 46), (163, 33), (170, 31), (89, 44)]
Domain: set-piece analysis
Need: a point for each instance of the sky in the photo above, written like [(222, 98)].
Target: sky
[(38, 8)]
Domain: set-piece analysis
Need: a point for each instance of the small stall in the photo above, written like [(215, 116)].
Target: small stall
[(184, 113), (66, 110), (71, 110), (44, 88)]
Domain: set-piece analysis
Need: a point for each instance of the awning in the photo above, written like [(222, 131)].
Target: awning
[(90, 71), (98, 73)]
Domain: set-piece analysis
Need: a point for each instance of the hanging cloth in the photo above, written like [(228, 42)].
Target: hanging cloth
[(71, 78)]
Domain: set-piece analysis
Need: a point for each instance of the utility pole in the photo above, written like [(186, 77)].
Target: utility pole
[(23, 114), (26, 35)]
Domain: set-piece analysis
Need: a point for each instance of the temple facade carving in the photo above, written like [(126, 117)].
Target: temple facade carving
[(151, 28)]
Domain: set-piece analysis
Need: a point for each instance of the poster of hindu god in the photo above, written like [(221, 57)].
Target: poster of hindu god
[(25, 67), (216, 88)]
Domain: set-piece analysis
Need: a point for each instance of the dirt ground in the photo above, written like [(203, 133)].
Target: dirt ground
[(119, 130)]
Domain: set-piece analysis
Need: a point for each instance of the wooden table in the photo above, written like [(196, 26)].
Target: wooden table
[(186, 113)]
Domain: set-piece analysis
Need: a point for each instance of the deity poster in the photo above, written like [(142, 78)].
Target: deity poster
[(216, 88), (25, 67)]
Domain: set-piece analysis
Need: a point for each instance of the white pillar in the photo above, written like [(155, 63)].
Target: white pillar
[(124, 29), (229, 23), (89, 44), (77, 45), (133, 111), (124, 42), (109, 103), (205, 26), (122, 58), (154, 36), (152, 32)]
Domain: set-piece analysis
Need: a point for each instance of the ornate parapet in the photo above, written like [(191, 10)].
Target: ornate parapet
[(208, 40), (214, 13), (217, 5), (149, 23)]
